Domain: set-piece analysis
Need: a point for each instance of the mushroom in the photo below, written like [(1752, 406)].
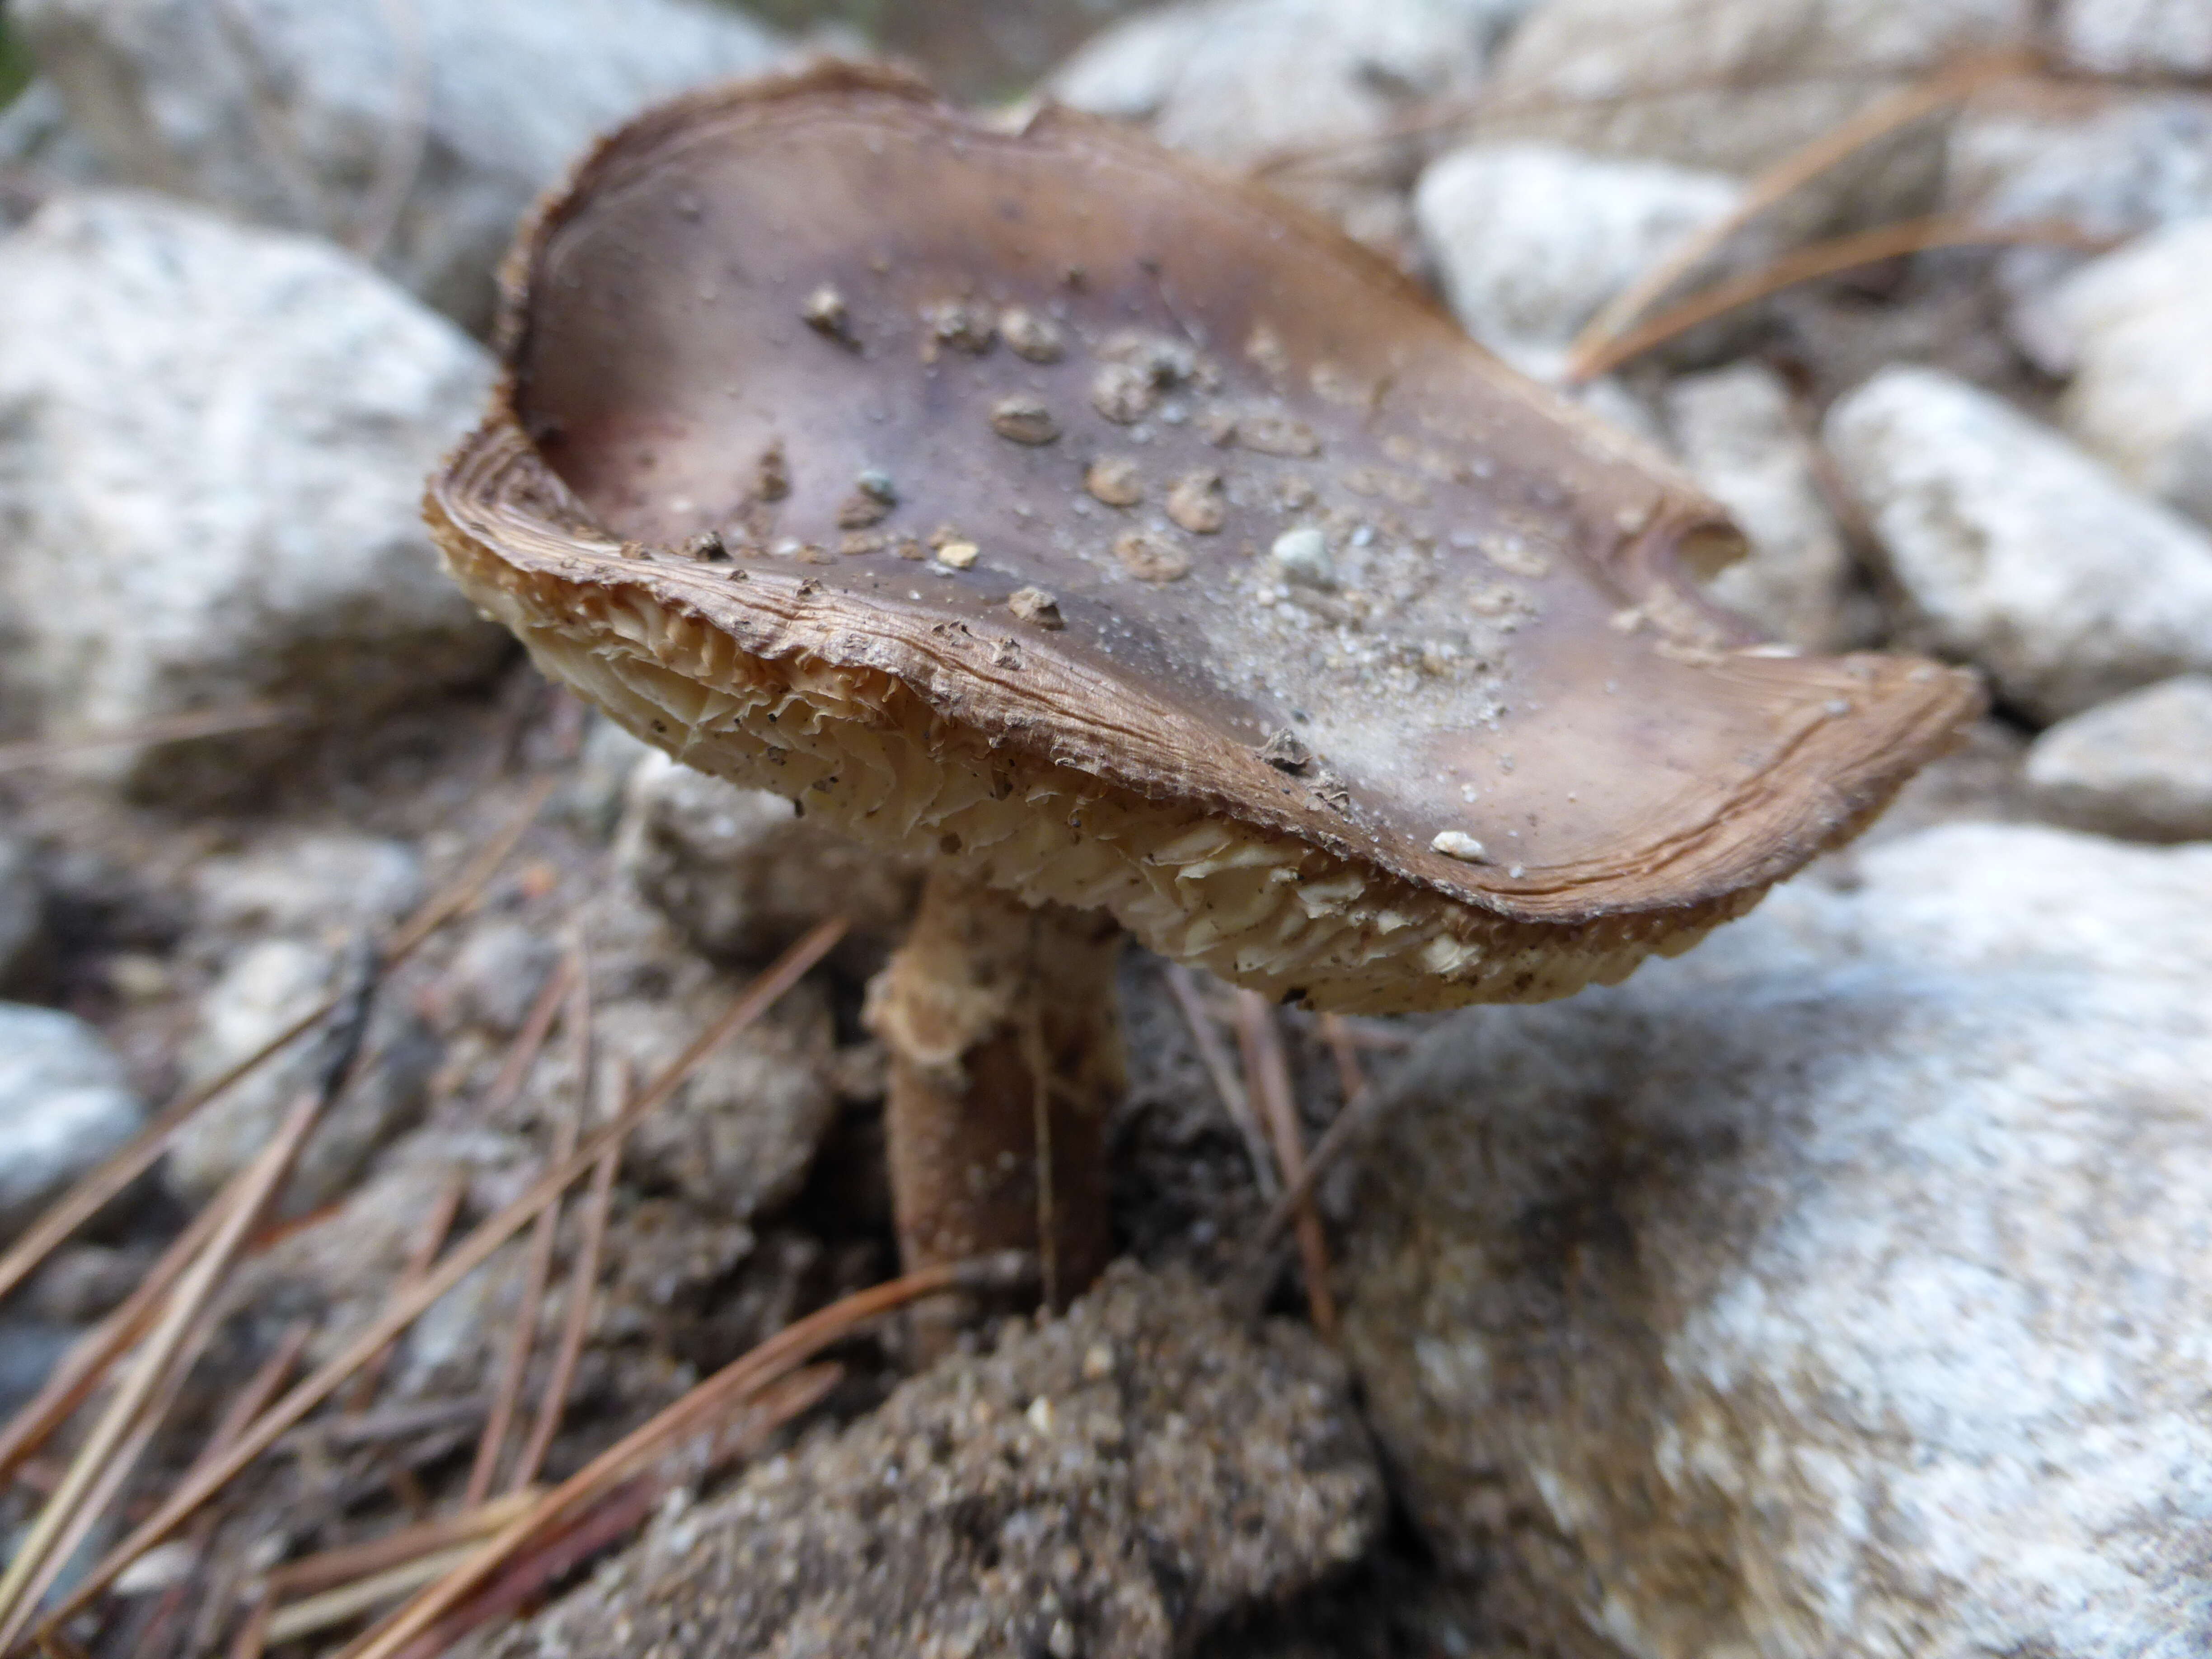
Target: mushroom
[(1221, 592)]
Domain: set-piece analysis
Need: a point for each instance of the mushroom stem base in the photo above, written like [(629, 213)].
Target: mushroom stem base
[(1006, 1057)]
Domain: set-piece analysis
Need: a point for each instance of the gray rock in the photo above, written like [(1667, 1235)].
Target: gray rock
[(316, 885), (1739, 436), (413, 133), (741, 875), (2111, 162), (65, 1105), (497, 974), (264, 989), (1530, 240), (2144, 38), (2017, 551), (591, 797), (1838, 1290), (1734, 85), (22, 914), (212, 445), (1240, 81), (1111, 1485), (2133, 329), (29, 1351), (2140, 766), (739, 1137)]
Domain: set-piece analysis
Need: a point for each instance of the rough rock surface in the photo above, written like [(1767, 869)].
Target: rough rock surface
[(1108, 1486), (2016, 551), (37, 140), (738, 1138), (65, 1105), (1530, 240), (1734, 85), (1839, 1290), (2140, 766), (2143, 38), (1240, 81), (741, 874), (1738, 435), (2112, 161), (2135, 330), (212, 444), (413, 133), (284, 917), (21, 913)]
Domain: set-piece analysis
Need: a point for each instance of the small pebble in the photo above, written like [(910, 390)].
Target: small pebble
[(826, 313), (707, 544), (1036, 605), (957, 555), (1301, 555)]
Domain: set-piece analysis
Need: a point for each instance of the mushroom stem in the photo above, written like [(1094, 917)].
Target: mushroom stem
[(1005, 1057)]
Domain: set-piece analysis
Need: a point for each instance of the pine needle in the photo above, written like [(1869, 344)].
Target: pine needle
[(85, 1200), (1213, 1054), (471, 1253), (536, 1272), (1793, 171), (712, 1400), (1269, 1072), (178, 728), (1827, 259)]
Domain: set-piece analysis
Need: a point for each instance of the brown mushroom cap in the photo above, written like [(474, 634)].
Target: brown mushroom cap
[(1136, 541)]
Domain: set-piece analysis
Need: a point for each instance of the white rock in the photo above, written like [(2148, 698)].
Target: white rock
[(2016, 551), (1735, 85), (2140, 766), (416, 132), (1530, 240), (2134, 329), (740, 874), (266, 987), (1739, 436), (65, 1106), (1240, 81), (1842, 1289), (2135, 37), (212, 449), (2111, 162)]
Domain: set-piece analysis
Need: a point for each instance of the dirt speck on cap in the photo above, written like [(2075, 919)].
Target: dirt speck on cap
[(1197, 502), (1023, 420), (1038, 339), (1151, 558), (1114, 480), (1036, 605)]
